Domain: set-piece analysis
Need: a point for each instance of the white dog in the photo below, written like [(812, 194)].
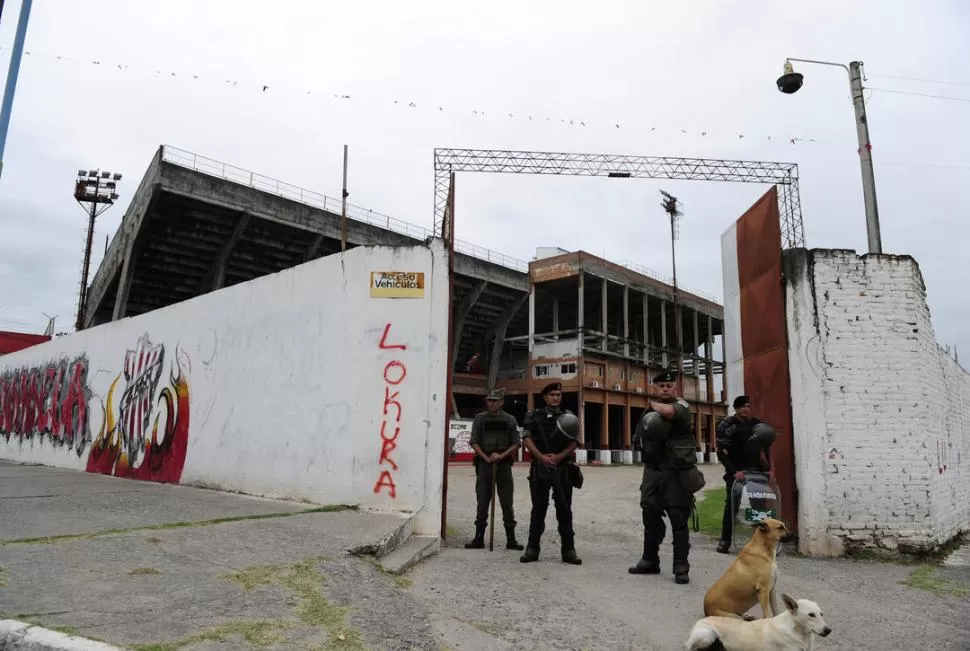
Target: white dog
[(791, 630)]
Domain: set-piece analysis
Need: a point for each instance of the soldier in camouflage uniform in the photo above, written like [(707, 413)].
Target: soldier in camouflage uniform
[(495, 439), (663, 488), (552, 451)]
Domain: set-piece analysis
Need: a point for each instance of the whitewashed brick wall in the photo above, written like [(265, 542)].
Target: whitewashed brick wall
[(881, 414)]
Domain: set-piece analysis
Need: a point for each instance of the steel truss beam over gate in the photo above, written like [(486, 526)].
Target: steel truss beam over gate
[(785, 175)]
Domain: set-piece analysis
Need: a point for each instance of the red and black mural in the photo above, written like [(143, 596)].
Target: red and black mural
[(144, 427), (47, 402), (130, 443)]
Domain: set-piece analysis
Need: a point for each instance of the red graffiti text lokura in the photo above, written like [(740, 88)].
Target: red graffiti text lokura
[(394, 373), (49, 400)]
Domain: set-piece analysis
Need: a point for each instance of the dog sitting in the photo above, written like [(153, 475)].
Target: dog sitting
[(752, 576), (792, 630)]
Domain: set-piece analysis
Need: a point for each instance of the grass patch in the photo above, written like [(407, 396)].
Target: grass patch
[(400, 581), (48, 540), (258, 633), (710, 510), (925, 578), (3, 577), (451, 531), (304, 579), (143, 570)]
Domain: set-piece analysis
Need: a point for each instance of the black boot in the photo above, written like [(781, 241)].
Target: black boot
[(723, 546), (531, 555), (649, 563), (510, 541), (682, 573), (644, 566), (478, 542), (570, 556)]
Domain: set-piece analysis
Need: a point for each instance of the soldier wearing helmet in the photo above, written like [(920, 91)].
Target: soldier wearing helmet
[(495, 439), (551, 435), (743, 443), (670, 478)]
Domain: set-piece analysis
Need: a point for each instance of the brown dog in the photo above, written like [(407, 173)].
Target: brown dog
[(751, 578)]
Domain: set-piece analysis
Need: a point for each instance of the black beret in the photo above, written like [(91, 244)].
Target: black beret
[(741, 401), (552, 386), (666, 376)]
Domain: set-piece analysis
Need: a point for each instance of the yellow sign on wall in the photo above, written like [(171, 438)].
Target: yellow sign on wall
[(397, 284)]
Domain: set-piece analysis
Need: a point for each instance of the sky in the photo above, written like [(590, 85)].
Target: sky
[(395, 80)]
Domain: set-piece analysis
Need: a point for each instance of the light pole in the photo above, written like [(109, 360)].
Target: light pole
[(98, 189), (791, 81), (14, 71), (670, 206)]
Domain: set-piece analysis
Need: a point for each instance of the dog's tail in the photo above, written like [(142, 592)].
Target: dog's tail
[(703, 637)]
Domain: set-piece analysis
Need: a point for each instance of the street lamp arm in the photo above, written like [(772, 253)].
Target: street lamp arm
[(822, 63)]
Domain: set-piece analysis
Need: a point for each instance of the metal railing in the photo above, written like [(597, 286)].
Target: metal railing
[(279, 188), (664, 278)]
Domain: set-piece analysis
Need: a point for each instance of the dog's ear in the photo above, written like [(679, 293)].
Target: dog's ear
[(761, 526), (790, 603)]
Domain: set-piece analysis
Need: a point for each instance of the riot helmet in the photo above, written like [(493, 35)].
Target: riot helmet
[(568, 426)]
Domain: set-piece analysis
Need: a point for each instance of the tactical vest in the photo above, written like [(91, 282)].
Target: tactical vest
[(681, 446), (496, 433)]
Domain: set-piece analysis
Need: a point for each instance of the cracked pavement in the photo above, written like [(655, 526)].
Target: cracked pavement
[(457, 599)]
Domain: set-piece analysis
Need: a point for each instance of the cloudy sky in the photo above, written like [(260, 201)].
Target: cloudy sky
[(394, 80)]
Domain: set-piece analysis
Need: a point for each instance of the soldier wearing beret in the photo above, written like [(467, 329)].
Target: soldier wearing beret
[(739, 450), (669, 478), (551, 445), (495, 439)]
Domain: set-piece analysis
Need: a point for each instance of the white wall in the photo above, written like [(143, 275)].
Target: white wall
[(881, 414), (734, 355), (282, 382)]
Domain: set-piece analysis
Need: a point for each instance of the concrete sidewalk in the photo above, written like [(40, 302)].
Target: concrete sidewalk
[(483, 600), (159, 568)]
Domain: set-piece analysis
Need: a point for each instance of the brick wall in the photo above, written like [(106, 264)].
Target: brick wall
[(881, 414)]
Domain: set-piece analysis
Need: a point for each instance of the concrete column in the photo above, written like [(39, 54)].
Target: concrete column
[(709, 358), (124, 286), (627, 434), (646, 328), (724, 382), (626, 321), (711, 439), (532, 321), (555, 319), (581, 309), (604, 454), (603, 315), (697, 430), (697, 345), (500, 329), (663, 332), (461, 313), (217, 273)]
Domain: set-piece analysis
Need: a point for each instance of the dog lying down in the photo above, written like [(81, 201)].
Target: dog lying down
[(791, 630)]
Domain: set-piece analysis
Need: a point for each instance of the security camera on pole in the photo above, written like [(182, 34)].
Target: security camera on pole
[(791, 81)]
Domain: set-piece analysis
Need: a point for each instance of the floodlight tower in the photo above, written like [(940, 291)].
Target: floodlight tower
[(97, 188), (670, 206)]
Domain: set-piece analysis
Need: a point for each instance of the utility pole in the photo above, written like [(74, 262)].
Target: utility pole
[(98, 189), (343, 207), (790, 82), (669, 204), (14, 71)]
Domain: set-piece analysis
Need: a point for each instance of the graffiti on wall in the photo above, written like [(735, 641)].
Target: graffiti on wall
[(394, 373), (144, 432), (48, 402)]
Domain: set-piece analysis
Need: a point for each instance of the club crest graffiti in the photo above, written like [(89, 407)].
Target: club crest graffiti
[(144, 433)]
